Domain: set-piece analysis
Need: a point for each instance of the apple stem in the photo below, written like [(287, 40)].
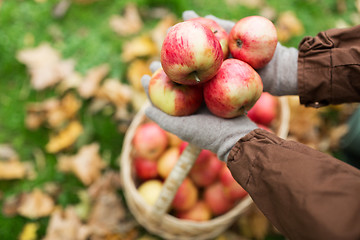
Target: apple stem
[(197, 78), (239, 43)]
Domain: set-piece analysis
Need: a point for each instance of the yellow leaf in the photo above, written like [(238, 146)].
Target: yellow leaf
[(29, 231), (135, 71), (288, 25), (141, 46), (13, 169), (65, 137), (114, 91), (129, 23)]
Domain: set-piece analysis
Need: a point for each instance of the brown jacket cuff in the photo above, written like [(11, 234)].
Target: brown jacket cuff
[(329, 67)]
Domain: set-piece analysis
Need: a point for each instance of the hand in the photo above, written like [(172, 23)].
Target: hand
[(202, 129), (279, 76)]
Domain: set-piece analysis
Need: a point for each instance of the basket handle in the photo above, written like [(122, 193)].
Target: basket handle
[(174, 180)]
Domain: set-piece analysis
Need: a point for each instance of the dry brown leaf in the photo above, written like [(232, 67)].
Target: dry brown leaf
[(159, 32), (288, 25), (45, 65), (86, 164), (91, 82), (35, 204), (72, 81), (128, 24), (110, 181), (65, 138), (10, 206), (65, 224), (116, 92), (8, 153), (246, 3), (142, 46), (135, 71)]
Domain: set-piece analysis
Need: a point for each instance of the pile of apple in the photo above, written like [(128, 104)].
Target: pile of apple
[(208, 191), (201, 62)]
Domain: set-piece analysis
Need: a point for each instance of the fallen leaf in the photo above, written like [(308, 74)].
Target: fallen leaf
[(29, 232), (12, 169), (303, 129), (35, 204), (141, 46), (45, 65), (108, 182), (7, 152), (65, 224), (65, 138), (127, 24), (86, 164), (159, 32), (115, 92), (135, 71), (246, 3), (357, 4), (288, 25), (91, 82), (10, 206)]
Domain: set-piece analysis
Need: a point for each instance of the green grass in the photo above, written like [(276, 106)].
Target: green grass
[(84, 35)]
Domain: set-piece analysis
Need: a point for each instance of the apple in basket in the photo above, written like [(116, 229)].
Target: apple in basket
[(150, 190), (219, 32), (199, 212), (216, 199), (167, 161), (206, 168), (173, 98), (232, 188), (149, 141), (190, 53), (186, 196), (265, 109), (253, 39), (145, 168), (233, 90)]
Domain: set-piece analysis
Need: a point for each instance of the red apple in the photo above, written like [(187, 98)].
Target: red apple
[(186, 196), (232, 188), (167, 161), (199, 212), (190, 53), (145, 169), (233, 90), (219, 32), (265, 109), (150, 190), (173, 98), (206, 168), (182, 146), (216, 199), (149, 141), (253, 39)]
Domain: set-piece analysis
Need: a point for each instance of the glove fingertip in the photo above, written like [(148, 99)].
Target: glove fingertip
[(155, 65)]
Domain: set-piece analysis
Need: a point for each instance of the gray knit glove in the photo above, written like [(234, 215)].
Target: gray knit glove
[(202, 129), (279, 76)]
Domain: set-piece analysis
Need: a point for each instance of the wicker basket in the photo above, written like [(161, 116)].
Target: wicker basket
[(155, 218)]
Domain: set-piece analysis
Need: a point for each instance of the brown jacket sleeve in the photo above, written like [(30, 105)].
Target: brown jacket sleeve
[(306, 194), (329, 67)]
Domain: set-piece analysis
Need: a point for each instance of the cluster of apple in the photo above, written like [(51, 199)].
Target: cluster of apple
[(200, 62), (264, 111), (208, 191)]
